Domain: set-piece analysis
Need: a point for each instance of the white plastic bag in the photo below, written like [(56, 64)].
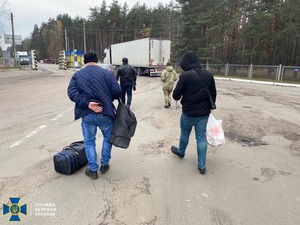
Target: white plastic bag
[(214, 132)]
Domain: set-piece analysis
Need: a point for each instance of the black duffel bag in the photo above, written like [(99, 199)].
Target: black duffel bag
[(70, 159)]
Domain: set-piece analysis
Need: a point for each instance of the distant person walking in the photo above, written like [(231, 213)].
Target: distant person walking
[(93, 90), (168, 77), (127, 76), (195, 105)]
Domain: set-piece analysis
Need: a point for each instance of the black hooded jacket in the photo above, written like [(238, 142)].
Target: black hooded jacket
[(189, 88)]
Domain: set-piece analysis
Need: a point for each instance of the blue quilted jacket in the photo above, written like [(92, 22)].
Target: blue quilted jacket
[(92, 83)]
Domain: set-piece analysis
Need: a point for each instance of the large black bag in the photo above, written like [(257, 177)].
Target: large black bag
[(124, 126), (70, 159)]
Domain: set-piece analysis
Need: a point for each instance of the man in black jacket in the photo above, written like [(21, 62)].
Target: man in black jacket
[(195, 105), (127, 76)]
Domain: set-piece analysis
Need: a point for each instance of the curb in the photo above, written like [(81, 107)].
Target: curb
[(259, 82)]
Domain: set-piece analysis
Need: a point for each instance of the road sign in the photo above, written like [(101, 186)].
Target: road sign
[(8, 39)]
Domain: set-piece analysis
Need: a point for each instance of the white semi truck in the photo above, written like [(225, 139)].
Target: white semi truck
[(23, 58), (148, 55)]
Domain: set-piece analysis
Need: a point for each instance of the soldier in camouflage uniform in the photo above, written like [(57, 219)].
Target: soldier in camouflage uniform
[(168, 77)]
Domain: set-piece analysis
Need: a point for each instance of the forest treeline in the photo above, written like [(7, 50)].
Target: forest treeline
[(221, 31)]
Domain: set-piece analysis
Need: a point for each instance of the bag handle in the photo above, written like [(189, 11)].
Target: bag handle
[(70, 147), (211, 101), (206, 88), (200, 80)]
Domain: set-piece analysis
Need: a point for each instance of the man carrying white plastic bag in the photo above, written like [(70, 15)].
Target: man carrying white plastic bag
[(214, 132), (197, 93)]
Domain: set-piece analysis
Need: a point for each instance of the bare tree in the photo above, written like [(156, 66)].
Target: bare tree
[(3, 14)]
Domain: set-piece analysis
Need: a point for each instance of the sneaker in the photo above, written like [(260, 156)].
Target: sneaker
[(103, 169), (169, 104), (202, 171), (92, 174), (166, 106), (175, 151)]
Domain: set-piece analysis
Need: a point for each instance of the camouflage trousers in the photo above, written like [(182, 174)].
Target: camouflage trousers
[(167, 96)]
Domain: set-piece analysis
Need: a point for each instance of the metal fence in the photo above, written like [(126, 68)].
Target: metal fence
[(269, 72)]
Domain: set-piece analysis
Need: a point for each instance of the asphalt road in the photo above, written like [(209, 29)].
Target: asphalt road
[(251, 180)]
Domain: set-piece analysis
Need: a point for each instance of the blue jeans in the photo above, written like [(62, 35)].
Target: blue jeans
[(186, 125), (89, 126), (126, 89)]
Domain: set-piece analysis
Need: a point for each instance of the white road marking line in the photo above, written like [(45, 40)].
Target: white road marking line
[(16, 143), (28, 136), (60, 115), (38, 129)]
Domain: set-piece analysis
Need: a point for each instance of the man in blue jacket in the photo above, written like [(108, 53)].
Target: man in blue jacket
[(195, 105), (93, 90)]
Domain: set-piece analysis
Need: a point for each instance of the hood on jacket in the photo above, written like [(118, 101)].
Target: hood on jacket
[(169, 68), (190, 61)]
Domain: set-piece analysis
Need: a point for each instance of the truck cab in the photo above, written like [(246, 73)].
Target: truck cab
[(23, 58)]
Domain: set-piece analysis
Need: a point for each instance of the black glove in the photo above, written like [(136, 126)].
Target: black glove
[(134, 87)]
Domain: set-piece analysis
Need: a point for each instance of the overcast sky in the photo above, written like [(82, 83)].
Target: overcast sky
[(27, 13)]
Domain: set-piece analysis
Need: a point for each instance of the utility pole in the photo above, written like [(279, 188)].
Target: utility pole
[(66, 39), (73, 53), (84, 40), (13, 38)]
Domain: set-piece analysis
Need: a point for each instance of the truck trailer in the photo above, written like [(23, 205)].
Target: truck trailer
[(148, 55)]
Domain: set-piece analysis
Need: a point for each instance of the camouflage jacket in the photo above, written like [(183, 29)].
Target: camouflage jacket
[(168, 77)]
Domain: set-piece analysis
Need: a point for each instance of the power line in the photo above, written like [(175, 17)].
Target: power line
[(26, 19)]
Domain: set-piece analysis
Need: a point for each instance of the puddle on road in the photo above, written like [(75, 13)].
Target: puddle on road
[(244, 141)]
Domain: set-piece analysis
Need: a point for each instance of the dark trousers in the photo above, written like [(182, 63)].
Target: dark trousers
[(126, 90)]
